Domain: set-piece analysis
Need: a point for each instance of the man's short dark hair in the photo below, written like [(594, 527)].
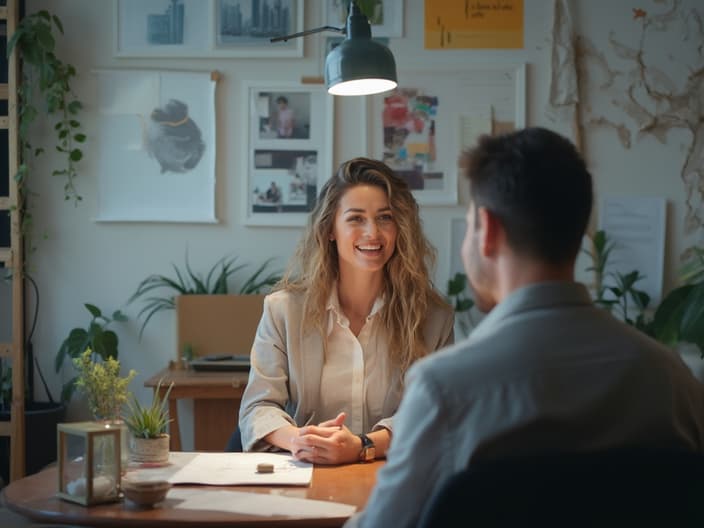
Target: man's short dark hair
[(281, 99), (535, 181)]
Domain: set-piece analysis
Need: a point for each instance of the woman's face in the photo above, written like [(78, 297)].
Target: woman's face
[(364, 229)]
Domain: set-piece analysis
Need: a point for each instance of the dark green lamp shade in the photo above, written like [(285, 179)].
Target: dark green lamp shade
[(360, 66)]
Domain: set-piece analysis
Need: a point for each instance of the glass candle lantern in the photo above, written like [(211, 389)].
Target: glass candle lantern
[(89, 462)]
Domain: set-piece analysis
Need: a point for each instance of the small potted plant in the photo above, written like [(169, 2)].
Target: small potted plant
[(147, 424)]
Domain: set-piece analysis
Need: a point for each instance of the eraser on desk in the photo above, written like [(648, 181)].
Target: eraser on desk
[(264, 467)]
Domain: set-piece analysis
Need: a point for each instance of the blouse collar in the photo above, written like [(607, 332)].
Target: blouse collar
[(336, 314)]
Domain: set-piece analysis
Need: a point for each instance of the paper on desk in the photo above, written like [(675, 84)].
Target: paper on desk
[(262, 504), (230, 469)]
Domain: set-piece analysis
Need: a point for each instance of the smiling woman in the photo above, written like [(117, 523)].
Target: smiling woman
[(354, 310), (364, 233)]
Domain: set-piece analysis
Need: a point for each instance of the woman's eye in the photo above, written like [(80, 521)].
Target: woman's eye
[(355, 219), (385, 218)]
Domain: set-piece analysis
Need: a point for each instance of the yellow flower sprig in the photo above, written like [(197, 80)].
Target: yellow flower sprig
[(102, 384)]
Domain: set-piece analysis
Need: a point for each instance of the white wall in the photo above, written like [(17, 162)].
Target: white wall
[(102, 263)]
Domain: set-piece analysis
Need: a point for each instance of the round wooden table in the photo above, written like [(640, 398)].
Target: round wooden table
[(34, 497)]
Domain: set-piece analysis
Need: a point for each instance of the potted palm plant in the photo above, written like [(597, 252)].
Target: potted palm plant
[(188, 282), (149, 441)]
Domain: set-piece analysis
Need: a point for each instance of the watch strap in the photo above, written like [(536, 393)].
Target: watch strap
[(368, 451)]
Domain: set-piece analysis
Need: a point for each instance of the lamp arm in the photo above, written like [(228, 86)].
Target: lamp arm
[(308, 32)]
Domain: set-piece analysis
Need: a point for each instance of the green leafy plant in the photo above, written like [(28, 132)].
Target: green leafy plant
[(624, 289), (97, 337), (187, 282), (45, 89), (679, 317), (599, 254), (102, 384), (458, 296), (149, 421), (615, 290)]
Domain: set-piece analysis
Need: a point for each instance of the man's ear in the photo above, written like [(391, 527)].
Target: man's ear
[(491, 232)]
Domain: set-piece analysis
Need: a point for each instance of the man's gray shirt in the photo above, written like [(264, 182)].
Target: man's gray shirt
[(545, 370)]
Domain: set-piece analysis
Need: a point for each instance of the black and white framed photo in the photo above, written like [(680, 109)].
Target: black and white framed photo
[(287, 154), (243, 27), (207, 28), (420, 128)]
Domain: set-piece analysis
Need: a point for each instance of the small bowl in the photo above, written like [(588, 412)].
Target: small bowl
[(145, 493)]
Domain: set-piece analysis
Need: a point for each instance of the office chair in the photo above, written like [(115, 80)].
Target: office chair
[(234, 443), (618, 487)]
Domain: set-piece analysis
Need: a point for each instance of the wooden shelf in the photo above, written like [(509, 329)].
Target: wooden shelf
[(13, 255)]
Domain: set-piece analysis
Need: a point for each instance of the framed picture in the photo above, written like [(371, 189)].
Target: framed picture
[(155, 146), (207, 28), (385, 16), (287, 152), (420, 128)]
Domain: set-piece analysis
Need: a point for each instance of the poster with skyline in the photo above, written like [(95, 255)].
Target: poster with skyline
[(207, 28)]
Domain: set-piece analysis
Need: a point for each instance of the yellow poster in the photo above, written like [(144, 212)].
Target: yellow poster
[(473, 24)]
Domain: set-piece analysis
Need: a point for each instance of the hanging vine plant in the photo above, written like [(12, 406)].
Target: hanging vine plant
[(45, 87)]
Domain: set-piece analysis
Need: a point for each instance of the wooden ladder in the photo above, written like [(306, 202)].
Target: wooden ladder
[(12, 257)]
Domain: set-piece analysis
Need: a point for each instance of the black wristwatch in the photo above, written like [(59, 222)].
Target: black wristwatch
[(368, 452)]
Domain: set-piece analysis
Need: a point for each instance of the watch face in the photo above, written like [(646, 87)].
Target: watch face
[(368, 452)]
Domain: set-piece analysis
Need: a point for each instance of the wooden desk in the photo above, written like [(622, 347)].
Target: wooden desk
[(216, 404), (34, 497)]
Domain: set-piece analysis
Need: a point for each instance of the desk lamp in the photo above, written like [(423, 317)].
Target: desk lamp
[(359, 65)]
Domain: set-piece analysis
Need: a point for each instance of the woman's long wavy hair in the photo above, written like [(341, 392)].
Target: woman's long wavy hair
[(408, 291)]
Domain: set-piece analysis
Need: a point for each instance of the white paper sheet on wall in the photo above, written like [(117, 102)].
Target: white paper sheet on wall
[(474, 124), (155, 152), (636, 225)]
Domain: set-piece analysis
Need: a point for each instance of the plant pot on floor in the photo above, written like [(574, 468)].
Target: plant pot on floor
[(41, 419), (149, 450)]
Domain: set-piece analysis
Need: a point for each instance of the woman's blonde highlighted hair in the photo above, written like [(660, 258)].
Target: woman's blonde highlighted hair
[(408, 290)]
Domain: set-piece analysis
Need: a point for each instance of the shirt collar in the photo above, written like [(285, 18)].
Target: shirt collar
[(533, 297), (337, 316)]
